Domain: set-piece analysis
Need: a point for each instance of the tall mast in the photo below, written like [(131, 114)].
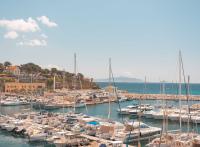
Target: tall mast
[(109, 107), (63, 89), (54, 82), (162, 87), (31, 78), (75, 64), (179, 91), (63, 78), (145, 85), (188, 93), (109, 71), (140, 111), (75, 81), (165, 109)]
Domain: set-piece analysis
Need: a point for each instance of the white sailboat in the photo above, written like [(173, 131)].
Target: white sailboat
[(77, 104), (179, 139)]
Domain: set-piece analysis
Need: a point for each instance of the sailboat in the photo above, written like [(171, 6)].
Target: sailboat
[(77, 103), (179, 139), (138, 131)]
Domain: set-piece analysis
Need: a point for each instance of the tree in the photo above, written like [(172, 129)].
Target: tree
[(30, 68), (2, 67), (80, 76), (53, 71), (45, 71), (7, 63), (49, 83)]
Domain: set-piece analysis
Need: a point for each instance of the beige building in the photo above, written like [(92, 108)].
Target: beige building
[(17, 87), (13, 69)]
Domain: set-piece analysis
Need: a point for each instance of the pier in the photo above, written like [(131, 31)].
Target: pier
[(135, 96)]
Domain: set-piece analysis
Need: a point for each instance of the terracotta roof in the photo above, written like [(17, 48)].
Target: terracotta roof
[(12, 68)]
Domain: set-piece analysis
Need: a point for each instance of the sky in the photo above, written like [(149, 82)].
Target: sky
[(143, 37)]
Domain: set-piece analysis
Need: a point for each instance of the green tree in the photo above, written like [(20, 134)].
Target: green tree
[(2, 67), (45, 71), (30, 68), (80, 76), (7, 63), (53, 71), (49, 83)]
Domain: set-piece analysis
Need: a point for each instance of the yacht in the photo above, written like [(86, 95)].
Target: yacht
[(148, 114), (123, 111), (80, 104), (13, 102), (146, 132), (37, 137)]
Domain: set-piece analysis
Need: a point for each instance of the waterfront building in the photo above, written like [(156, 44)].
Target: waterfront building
[(17, 87)]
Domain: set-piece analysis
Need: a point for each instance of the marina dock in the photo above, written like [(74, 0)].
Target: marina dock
[(136, 96)]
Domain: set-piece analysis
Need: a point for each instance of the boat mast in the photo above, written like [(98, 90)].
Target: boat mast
[(75, 81), (63, 78), (165, 125), (63, 89), (188, 93), (140, 111), (162, 87), (54, 82), (179, 91), (109, 107), (0, 105)]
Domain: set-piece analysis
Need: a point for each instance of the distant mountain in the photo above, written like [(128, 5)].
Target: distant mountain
[(121, 79)]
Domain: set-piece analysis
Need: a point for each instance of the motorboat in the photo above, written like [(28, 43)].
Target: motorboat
[(38, 137), (135, 130), (148, 114)]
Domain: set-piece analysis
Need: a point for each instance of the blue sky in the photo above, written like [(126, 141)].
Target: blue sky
[(142, 37)]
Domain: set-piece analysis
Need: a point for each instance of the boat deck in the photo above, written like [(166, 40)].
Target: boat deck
[(102, 140)]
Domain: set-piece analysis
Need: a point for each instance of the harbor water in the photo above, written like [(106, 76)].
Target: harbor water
[(101, 110)]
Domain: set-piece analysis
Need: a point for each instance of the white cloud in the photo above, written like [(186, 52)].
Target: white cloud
[(20, 25), (33, 43), (45, 20), (44, 36), (53, 66), (18, 28), (11, 35)]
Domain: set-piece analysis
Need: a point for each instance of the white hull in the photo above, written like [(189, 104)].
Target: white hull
[(123, 111), (9, 127), (195, 120), (148, 115), (145, 135), (3, 126), (38, 137), (158, 116), (10, 103), (184, 118), (80, 105), (173, 117)]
